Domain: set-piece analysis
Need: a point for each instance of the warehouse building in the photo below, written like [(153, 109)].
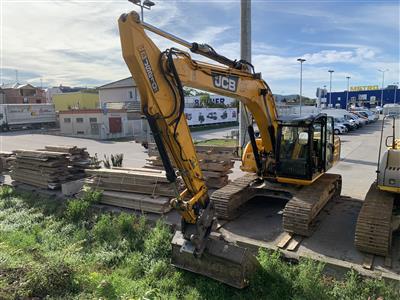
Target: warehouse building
[(100, 124), (364, 96)]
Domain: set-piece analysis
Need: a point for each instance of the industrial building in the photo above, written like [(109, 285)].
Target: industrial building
[(100, 124), (364, 96)]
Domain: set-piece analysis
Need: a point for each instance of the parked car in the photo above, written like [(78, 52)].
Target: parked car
[(372, 117), (339, 129), (343, 123), (361, 121), (342, 116), (362, 116)]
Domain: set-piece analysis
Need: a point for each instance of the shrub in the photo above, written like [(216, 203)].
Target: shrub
[(6, 192), (158, 244), (50, 278), (77, 210), (105, 231)]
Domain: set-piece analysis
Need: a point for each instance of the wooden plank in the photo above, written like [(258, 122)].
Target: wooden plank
[(294, 243), (368, 261), (284, 240)]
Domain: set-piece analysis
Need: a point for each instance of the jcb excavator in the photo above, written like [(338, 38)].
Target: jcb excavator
[(375, 224), (288, 161)]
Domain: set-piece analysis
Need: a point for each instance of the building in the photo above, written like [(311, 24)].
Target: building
[(366, 96), (17, 93), (101, 124), (2, 97), (120, 91), (84, 99)]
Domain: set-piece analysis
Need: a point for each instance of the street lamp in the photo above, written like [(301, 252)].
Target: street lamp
[(383, 83), (330, 87), (147, 4), (396, 84), (347, 97), (301, 60)]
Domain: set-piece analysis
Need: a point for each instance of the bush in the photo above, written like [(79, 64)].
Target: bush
[(50, 278), (77, 210), (6, 192), (158, 243), (105, 230)]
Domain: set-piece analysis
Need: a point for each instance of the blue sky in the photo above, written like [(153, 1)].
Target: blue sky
[(77, 42)]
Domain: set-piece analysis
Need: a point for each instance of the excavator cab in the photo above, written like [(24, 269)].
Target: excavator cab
[(304, 148)]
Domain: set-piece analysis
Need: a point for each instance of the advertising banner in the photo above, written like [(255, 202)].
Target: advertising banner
[(203, 116)]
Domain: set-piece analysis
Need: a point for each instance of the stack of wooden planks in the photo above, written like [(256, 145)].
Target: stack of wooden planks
[(6, 159), (43, 169), (79, 159), (136, 188), (215, 162)]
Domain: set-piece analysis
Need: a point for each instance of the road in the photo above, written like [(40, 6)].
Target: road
[(357, 165)]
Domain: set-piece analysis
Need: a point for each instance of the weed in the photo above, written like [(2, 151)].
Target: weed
[(77, 210), (50, 278), (6, 192)]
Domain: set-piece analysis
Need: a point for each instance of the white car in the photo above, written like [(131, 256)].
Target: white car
[(339, 129)]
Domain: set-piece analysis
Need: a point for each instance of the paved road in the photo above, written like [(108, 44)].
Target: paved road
[(359, 158), (359, 152)]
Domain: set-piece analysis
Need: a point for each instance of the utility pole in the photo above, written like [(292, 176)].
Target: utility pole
[(330, 87), (245, 54), (383, 83), (301, 60), (347, 97)]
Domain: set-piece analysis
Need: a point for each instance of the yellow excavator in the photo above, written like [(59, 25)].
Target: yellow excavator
[(288, 161), (376, 221)]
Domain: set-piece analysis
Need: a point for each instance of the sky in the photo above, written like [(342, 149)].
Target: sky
[(76, 43)]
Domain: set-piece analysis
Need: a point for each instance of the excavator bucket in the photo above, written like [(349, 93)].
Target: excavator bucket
[(221, 261)]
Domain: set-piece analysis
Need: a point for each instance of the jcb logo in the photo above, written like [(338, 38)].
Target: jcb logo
[(225, 82)]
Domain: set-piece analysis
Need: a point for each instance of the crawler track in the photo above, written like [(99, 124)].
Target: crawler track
[(374, 223), (304, 203)]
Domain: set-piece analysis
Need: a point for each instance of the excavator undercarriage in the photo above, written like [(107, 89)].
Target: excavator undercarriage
[(303, 202)]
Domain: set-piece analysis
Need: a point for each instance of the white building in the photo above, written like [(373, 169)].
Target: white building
[(124, 90), (101, 124)]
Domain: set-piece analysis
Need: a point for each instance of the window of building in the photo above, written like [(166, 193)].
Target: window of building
[(130, 94), (80, 132), (372, 100), (79, 120), (362, 97), (93, 120), (67, 120), (353, 99), (339, 98)]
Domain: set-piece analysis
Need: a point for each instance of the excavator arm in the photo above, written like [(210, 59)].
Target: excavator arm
[(160, 77)]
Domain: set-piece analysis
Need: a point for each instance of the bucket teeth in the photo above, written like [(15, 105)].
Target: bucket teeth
[(221, 261)]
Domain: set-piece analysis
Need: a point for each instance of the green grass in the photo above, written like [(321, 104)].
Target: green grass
[(55, 250), (218, 142)]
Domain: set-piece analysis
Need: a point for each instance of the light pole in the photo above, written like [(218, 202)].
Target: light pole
[(347, 97), (301, 60), (330, 87), (396, 84), (245, 54), (383, 83), (147, 4)]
